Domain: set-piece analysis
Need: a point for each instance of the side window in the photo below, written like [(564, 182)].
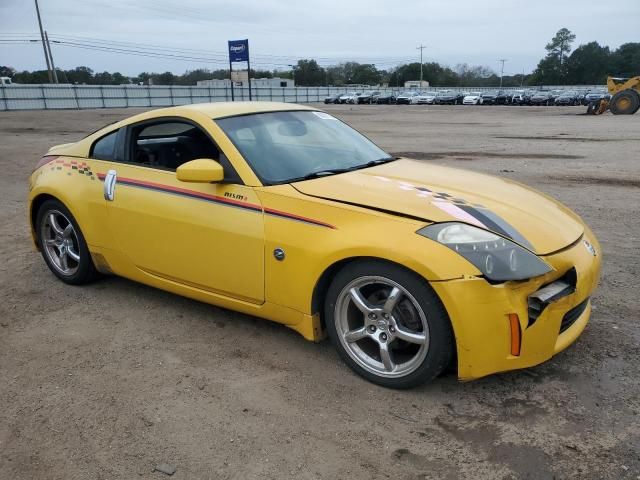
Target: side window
[(170, 144), (104, 148), (167, 145)]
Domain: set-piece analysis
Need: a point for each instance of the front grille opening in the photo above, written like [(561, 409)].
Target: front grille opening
[(550, 293), (572, 315)]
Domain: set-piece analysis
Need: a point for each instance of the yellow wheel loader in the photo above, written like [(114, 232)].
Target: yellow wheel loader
[(624, 100)]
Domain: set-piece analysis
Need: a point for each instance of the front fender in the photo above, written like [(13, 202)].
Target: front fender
[(310, 250)]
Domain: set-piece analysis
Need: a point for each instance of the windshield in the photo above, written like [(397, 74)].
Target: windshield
[(283, 147)]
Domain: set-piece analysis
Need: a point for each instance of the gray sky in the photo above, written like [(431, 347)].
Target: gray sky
[(373, 31)]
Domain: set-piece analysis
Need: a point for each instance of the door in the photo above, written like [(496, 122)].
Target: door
[(208, 236)]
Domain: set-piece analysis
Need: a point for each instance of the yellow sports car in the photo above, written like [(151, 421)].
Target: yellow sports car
[(284, 212)]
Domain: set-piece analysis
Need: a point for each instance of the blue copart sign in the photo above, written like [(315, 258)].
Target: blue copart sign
[(239, 50)]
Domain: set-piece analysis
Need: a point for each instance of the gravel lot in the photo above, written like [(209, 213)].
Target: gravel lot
[(112, 379)]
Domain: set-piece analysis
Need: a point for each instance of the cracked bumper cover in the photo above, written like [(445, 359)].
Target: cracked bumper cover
[(479, 313)]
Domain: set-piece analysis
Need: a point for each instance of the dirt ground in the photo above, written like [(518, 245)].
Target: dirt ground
[(112, 379)]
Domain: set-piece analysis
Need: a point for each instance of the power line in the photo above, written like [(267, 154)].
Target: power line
[(223, 55)]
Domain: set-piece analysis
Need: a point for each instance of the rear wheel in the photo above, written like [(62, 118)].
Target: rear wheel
[(388, 325), (625, 102), (63, 246)]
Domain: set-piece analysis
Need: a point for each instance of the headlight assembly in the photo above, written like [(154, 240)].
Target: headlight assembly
[(496, 257)]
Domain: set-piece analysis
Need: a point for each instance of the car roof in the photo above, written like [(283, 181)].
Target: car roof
[(226, 109), (193, 111)]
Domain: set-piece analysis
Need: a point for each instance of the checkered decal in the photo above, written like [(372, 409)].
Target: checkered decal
[(81, 168)]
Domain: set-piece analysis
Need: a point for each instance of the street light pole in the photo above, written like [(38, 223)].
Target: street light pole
[(421, 48), (44, 45), (502, 70)]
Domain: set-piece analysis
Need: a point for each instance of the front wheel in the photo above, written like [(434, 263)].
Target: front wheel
[(626, 102), (388, 325), (63, 246)]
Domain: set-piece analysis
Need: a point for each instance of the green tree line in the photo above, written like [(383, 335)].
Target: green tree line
[(588, 64)]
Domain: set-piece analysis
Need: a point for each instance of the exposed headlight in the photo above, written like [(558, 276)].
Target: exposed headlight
[(496, 257)]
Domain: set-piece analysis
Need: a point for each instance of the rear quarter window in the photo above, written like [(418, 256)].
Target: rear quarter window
[(105, 147)]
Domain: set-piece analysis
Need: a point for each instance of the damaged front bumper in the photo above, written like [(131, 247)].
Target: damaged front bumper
[(552, 311)]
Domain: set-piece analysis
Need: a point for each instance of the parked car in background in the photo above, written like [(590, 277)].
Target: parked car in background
[(568, 97), (448, 98), (472, 98), (595, 95), (542, 98), (345, 97), (488, 98), (521, 97), (581, 95), (384, 99), (367, 97), (426, 98), (406, 98), (335, 98), (502, 98), (555, 94), (355, 98)]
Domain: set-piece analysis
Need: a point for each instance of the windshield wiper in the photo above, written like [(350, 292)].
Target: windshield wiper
[(322, 173), (333, 171)]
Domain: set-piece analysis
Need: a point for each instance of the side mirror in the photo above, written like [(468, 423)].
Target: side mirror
[(201, 170)]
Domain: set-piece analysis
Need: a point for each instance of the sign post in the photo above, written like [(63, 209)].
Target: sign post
[(239, 52)]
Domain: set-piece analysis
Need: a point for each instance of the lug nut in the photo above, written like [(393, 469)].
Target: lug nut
[(383, 337), (392, 329), (373, 316), (385, 316), (372, 328)]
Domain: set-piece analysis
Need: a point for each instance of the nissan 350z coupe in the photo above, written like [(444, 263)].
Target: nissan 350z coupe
[(284, 212)]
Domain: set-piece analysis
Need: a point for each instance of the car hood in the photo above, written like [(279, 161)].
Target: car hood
[(441, 194)]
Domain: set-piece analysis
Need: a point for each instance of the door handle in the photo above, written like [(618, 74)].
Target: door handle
[(110, 184)]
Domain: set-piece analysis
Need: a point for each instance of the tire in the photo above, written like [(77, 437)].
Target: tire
[(60, 237), (626, 102), (371, 336)]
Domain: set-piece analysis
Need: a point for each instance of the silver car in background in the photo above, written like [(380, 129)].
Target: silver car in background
[(472, 98)]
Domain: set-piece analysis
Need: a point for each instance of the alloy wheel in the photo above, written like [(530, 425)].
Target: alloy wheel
[(60, 242), (382, 326)]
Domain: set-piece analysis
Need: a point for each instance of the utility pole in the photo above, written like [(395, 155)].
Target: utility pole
[(293, 72), (502, 60), (53, 66), (44, 45), (421, 48), (522, 79)]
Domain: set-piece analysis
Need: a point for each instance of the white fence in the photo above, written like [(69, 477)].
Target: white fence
[(45, 97)]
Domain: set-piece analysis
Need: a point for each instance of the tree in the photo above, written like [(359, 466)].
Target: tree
[(7, 71), (625, 61), (366, 74), (119, 79), (80, 75), (166, 78), (308, 73), (589, 64), (560, 44), (552, 68)]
